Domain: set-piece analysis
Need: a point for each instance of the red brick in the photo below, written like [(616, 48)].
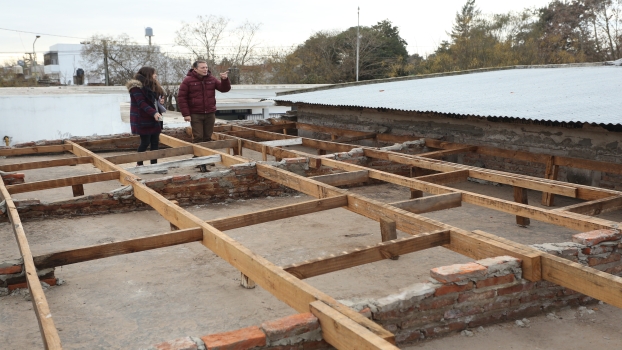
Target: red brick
[(600, 261), (11, 270), (515, 289), (481, 321), (495, 280), (12, 287), (241, 339), (408, 336), (436, 303), (476, 296), (458, 272), (452, 288), (592, 238), (596, 250), (177, 344), (316, 345), (290, 326)]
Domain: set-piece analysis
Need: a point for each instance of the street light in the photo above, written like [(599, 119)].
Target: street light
[(34, 54)]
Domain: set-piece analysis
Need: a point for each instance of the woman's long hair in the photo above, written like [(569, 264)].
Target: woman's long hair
[(145, 76)]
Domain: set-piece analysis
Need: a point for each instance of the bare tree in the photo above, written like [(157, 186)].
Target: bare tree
[(203, 36), (245, 42)]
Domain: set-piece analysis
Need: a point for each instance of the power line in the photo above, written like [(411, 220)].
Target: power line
[(23, 31)]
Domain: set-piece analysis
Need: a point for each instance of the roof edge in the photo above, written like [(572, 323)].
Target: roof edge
[(436, 75)]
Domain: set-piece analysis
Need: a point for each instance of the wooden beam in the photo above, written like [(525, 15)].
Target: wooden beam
[(164, 167), (596, 207), (78, 190), (551, 172), (285, 142), (431, 203), (247, 134), (220, 144), (34, 150), (345, 178), (132, 245), (227, 160), (332, 131), (142, 156), (49, 333), (520, 196), (343, 333), (283, 212), (370, 135), (446, 178), (68, 181), (117, 142), (45, 164), (369, 254), (415, 172), (597, 284), (388, 232), (448, 152)]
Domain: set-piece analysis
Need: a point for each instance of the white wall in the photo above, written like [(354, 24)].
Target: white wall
[(38, 117)]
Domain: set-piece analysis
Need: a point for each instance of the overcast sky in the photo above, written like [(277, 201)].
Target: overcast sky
[(423, 24)]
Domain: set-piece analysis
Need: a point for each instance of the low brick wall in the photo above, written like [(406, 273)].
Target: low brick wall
[(456, 298)]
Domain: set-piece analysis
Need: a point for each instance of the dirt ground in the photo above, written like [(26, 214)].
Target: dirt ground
[(135, 300)]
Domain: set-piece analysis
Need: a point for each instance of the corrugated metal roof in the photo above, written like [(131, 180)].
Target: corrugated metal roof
[(578, 94)]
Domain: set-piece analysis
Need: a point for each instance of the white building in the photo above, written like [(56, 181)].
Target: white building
[(63, 61)]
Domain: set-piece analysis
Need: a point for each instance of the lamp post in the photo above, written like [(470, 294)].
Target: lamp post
[(34, 54)]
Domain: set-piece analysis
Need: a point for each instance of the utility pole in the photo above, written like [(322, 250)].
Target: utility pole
[(358, 17), (105, 42), (34, 63)]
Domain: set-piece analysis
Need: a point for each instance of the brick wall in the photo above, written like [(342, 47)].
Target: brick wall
[(456, 298), (586, 141)]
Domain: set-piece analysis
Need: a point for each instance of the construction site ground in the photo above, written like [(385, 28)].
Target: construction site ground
[(136, 300)]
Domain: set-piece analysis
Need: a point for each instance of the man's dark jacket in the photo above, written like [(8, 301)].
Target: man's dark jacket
[(197, 94)]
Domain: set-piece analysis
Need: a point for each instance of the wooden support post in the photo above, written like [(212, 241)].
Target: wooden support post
[(388, 231), (237, 151), (173, 227), (551, 172), (229, 151), (246, 282), (333, 137), (78, 190), (284, 131), (321, 152), (264, 155), (520, 196), (415, 193)]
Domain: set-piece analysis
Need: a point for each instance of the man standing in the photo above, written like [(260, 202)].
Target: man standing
[(197, 99)]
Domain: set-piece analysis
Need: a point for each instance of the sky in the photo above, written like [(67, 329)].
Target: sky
[(422, 23)]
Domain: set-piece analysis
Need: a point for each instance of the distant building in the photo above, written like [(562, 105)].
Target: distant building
[(64, 64)]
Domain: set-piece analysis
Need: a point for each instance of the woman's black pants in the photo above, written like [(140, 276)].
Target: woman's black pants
[(145, 141)]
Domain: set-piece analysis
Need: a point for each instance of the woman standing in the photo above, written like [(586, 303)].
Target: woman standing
[(144, 116)]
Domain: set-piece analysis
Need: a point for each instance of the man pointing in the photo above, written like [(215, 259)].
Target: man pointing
[(197, 99)]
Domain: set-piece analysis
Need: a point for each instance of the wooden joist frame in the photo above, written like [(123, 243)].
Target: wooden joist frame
[(341, 326)]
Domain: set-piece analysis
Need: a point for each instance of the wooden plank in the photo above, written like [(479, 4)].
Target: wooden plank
[(274, 128), (448, 152), (247, 134), (227, 160), (388, 232), (132, 245), (446, 178), (68, 181), (370, 254), (287, 211), (331, 131), (220, 144), (164, 167), (520, 196), (34, 150), (119, 141), (343, 333), (431, 203), (583, 279), (142, 156), (415, 172), (596, 207), (370, 135), (49, 333), (45, 164), (285, 142), (564, 189), (340, 179), (551, 172)]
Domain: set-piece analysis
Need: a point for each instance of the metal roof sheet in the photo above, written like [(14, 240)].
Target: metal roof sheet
[(577, 94)]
